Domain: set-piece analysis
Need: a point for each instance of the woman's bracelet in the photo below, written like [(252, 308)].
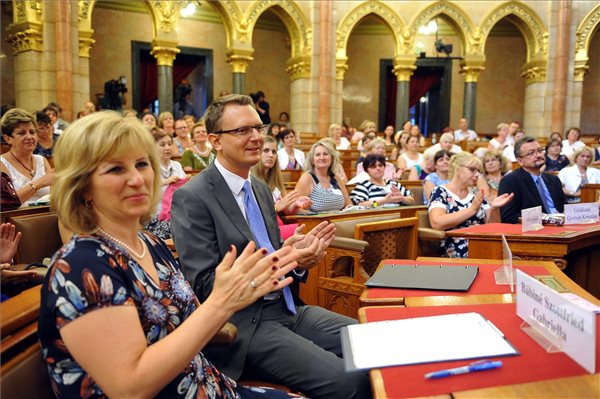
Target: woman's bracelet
[(32, 185)]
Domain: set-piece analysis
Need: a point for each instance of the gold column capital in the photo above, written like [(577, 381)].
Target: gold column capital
[(239, 59), (471, 66), (404, 66), (298, 68), (581, 68), (534, 72), (164, 52), (25, 36), (341, 67), (85, 42)]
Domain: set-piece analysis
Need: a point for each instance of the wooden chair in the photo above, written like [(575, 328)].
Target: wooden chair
[(41, 237), (359, 246), (429, 238)]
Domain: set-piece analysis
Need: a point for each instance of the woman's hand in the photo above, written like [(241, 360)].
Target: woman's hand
[(45, 180), (171, 180), (287, 200), (311, 246), (9, 241), (502, 200), (398, 174), (239, 282), (477, 201), (9, 276)]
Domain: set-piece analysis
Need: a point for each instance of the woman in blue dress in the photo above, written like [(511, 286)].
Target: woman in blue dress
[(460, 204), (117, 317)]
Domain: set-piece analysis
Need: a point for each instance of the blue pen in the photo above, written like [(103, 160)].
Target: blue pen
[(481, 365)]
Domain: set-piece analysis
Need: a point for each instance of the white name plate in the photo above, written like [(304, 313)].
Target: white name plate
[(581, 213), (570, 323), (531, 219)]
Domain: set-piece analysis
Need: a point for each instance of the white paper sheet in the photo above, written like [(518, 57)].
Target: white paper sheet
[(425, 340)]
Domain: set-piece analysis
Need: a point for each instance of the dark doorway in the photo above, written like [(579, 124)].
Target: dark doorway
[(193, 64), (429, 98)]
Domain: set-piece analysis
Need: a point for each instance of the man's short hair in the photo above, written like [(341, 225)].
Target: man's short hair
[(519, 143), (214, 112)]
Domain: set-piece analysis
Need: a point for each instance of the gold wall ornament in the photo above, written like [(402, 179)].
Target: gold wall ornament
[(584, 34), (526, 20), (471, 67), (534, 72), (25, 37), (27, 11), (404, 66), (165, 55), (453, 14), (389, 17), (85, 42), (581, 69), (85, 8), (166, 14), (298, 68), (239, 59), (341, 67)]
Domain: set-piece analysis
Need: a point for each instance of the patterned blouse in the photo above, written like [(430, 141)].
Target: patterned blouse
[(91, 272), (443, 198), (196, 161), (326, 199)]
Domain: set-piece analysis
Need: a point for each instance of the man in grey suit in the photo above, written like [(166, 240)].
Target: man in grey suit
[(280, 341)]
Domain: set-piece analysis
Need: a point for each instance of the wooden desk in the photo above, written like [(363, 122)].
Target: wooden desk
[(309, 289), (24, 211), (590, 193), (500, 294), (574, 248)]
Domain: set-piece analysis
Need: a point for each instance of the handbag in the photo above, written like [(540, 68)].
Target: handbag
[(9, 197)]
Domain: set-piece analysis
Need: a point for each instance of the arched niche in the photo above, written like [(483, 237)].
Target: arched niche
[(585, 31)]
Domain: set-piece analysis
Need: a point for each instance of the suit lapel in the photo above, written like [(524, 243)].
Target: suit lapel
[(531, 186), (224, 197)]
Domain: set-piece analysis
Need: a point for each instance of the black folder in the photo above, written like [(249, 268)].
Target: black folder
[(445, 278)]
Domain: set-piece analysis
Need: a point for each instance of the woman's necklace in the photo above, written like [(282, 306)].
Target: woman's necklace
[(127, 247), (30, 170), (166, 171), (202, 153)]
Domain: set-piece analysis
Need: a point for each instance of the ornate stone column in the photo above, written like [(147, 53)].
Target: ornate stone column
[(561, 65), (403, 69), (239, 59), (298, 70), (86, 42), (341, 67), (63, 56), (535, 76), (165, 53), (471, 68), (325, 34)]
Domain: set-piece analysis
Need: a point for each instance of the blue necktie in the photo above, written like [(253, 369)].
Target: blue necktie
[(538, 185), (261, 236)]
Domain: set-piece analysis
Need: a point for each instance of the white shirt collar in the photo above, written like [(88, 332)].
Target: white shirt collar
[(234, 182)]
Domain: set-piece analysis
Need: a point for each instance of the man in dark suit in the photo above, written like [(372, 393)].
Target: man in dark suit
[(530, 186), (298, 346)]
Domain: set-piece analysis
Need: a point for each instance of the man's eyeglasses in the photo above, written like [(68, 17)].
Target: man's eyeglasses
[(244, 130), (539, 151)]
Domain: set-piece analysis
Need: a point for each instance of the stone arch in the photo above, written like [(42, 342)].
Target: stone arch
[(296, 23), (455, 16), (585, 31), (526, 20), (390, 18)]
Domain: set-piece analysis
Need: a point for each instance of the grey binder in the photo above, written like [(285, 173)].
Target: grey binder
[(445, 278)]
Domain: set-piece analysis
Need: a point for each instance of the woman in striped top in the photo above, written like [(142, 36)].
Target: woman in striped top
[(376, 190)]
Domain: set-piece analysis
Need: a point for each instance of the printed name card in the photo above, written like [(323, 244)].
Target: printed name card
[(581, 213), (558, 316), (531, 219)]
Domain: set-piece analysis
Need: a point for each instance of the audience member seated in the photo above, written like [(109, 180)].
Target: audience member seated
[(495, 166), (182, 140), (377, 147), (284, 120), (273, 130), (117, 315), (555, 161), (335, 132), (500, 141), (578, 174), (190, 120), (463, 132), (60, 123), (201, 154), (377, 190), (572, 142), (441, 161), (556, 135), (446, 143), (363, 147), (388, 135), (460, 204), (319, 182), (597, 152), (166, 122), (46, 138), (149, 119), (420, 171), (129, 113), (407, 160), (277, 336), (364, 129), (13, 281), (31, 174), (509, 150), (290, 158), (171, 173), (401, 140), (53, 114), (513, 128), (530, 187), (415, 130), (285, 203)]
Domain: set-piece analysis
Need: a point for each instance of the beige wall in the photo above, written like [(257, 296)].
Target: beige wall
[(267, 71), (590, 101), (501, 89)]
